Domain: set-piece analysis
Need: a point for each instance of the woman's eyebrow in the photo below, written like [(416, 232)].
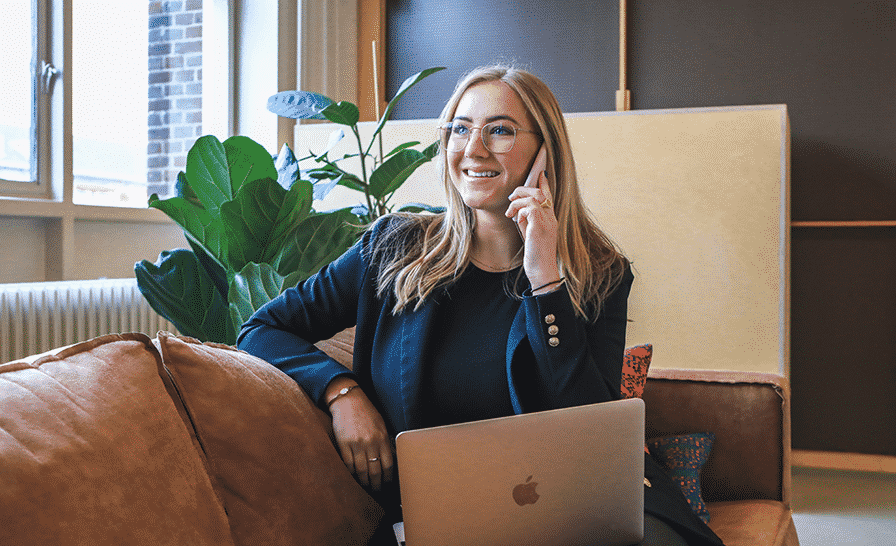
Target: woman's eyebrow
[(488, 120)]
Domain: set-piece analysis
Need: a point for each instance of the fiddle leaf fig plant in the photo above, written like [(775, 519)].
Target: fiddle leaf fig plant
[(250, 220)]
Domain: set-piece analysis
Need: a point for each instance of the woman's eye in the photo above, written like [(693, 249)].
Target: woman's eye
[(501, 130), (459, 129)]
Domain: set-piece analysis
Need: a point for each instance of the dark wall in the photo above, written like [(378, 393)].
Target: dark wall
[(832, 62)]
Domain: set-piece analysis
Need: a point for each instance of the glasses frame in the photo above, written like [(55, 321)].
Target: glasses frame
[(443, 141)]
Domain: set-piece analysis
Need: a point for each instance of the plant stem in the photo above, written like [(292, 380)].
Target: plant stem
[(370, 211)]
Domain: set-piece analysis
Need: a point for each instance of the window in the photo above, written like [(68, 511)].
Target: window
[(18, 95), (136, 97)]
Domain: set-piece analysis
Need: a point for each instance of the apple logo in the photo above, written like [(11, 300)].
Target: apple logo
[(524, 493)]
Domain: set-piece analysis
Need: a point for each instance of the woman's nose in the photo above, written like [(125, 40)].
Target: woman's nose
[(475, 147)]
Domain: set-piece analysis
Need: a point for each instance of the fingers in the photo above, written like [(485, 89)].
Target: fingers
[(525, 202)]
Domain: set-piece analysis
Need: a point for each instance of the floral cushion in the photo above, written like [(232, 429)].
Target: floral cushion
[(683, 457), (635, 364)]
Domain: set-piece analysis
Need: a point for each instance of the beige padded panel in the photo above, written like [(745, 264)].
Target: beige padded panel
[(696, 198)]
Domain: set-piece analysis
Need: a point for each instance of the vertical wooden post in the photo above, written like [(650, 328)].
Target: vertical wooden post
[(371, 28), (623, 95)]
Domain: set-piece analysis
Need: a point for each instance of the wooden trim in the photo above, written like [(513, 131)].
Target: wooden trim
[(833, 460), (623, 95), (371, 27), (845, 223)]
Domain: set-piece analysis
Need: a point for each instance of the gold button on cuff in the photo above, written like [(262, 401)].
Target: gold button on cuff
[(553, 329), (549, 319), (553, 342)]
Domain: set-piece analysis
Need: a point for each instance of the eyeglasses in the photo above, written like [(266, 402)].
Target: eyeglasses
[(498, 137)]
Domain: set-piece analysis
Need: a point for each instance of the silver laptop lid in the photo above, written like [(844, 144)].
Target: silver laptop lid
[(570, 476)]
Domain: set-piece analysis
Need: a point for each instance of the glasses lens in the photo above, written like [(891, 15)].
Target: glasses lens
[(454, 136), (498, 137)]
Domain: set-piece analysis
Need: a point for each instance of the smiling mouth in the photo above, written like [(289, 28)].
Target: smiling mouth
[(481, 174)]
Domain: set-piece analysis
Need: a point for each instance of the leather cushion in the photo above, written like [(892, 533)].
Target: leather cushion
[(268, 449), (93, 451)]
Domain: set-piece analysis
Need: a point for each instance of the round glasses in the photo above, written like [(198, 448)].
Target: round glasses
[(498, 137)]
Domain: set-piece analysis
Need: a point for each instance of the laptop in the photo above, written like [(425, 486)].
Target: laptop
[(573, 476)]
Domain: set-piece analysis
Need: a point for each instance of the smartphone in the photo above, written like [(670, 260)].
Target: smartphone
[(538, 167)]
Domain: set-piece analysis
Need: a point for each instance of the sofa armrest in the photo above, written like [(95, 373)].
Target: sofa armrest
[(749, 413)]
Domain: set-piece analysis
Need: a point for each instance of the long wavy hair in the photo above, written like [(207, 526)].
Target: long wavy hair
[(421, 252)]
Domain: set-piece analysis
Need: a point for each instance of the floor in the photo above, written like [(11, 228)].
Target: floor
[(833, 507)]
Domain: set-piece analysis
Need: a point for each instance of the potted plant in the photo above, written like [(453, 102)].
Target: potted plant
[(250, 221)]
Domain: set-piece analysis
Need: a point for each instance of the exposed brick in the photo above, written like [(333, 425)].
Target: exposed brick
[(155, 8), (154, 147), (160, 21), (155, 120), (174, 62), (175, 147), (188, 47), (155, 63), (199, 74), (194, 60), (193, 5), (174, 117), (153, 176), (199, 131), (159, 49), (193, 89), (184, 19), (155, 105), (159, 77), (193, 32), (189, 104), (193, 117), (159, 134), (184, 75), (156, 92), (183, 131), (180, 161), (198, 18), (175, 90), (165, 34), (173, 7), (157, 162)]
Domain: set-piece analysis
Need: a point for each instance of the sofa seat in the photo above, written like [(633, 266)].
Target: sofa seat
[(753, 523)]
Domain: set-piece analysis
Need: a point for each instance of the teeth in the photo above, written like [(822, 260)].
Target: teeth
[(486, 174)]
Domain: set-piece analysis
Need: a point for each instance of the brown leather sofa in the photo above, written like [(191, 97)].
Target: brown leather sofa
[(130, 440)]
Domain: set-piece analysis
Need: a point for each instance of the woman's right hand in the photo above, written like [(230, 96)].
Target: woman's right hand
[(362, 437)]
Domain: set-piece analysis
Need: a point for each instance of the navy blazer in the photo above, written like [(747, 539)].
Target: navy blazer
[(582, 365)]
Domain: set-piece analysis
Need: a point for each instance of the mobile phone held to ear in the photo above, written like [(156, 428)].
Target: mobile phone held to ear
[(538, 167)]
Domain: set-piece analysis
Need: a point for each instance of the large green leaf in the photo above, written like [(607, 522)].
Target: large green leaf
[(405, 86), (299, 104), (208, 173), (296, 206), (253, 287), (319, 240), (206, 230), (389, 176), (342, 112), (248, 161), (249, 221), (177, 287)]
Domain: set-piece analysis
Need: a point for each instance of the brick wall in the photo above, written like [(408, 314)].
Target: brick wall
[(175, 89)]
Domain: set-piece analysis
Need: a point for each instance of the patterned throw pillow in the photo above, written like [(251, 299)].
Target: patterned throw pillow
[(683, 457), (635, 364)]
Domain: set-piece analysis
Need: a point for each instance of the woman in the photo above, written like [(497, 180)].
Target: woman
[(511, 301)]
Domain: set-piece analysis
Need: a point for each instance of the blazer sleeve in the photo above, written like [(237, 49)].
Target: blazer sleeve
[(283, 331), (577, 361)]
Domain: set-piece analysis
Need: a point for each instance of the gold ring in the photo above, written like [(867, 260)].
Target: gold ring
[(373, 460), (547, 203)]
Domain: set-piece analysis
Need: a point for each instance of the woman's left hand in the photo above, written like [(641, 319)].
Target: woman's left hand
[(532, 208)]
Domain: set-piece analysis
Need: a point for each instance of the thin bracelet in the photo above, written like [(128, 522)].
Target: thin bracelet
[(342, 392), (561, 279)]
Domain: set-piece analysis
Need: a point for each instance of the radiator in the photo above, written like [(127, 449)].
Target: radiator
[(38, 317)]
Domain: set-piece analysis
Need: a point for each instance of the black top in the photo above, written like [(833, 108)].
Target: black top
[(466, 375)]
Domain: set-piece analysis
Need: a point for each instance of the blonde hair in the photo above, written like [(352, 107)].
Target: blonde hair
[(425, 251)]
